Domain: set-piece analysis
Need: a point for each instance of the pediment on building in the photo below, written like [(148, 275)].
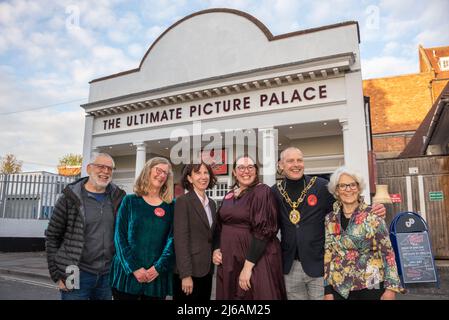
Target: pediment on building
[(220, 42)]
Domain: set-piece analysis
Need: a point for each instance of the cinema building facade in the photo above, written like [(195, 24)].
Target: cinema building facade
[(221, 71)]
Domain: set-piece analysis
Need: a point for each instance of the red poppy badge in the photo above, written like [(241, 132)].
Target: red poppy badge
[(159, 212), (312, 200)]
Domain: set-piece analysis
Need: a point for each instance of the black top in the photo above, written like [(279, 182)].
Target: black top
[(256, 250), (344, 221), (294, 188)]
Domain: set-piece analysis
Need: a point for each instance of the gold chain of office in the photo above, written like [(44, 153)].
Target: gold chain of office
[(295, 215)]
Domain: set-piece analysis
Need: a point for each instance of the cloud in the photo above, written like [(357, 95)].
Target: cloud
[(136, 50), (407, 51), (39, 136), (8, 91), (434, 25), (116, 59), (50, 50), (401, 20), (81, 36), (397, 29), (378, 67), (154, 32), (158, 11), (42, 137), (10, 38), (433, 38), (50, 59)]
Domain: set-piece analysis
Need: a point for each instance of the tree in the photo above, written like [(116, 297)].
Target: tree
[(10, 164), (70, 165), (71, 160)]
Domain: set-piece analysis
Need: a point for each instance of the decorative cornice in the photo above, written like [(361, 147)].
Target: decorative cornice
[(311, 70)]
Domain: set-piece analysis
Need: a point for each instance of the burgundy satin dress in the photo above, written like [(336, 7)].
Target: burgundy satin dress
[(254, 214)]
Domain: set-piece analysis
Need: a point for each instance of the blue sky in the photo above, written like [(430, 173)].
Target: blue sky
[(50, 50)]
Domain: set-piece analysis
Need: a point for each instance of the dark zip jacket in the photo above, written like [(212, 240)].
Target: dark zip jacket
[(64, 237)]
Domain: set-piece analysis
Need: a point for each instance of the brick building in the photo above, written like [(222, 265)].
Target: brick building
[(399, 104)]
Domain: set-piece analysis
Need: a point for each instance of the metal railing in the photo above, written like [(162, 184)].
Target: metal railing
[(218, 192), (30, 195)]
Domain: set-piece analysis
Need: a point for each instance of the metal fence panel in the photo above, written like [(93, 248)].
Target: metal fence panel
[(30, 195)]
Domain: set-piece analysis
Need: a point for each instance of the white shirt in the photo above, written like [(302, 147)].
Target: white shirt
[(205, 203)]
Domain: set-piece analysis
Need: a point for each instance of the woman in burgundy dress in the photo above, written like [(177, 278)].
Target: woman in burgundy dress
[(248, 253)]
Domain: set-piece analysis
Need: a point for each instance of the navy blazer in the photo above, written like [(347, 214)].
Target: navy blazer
[(308, 235)]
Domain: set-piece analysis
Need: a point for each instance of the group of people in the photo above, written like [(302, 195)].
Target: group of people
[(148, 245)]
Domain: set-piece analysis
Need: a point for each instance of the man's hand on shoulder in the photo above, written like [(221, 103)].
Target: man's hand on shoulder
[(379, 210)]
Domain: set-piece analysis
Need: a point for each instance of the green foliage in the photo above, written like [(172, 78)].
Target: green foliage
[(71, 160)]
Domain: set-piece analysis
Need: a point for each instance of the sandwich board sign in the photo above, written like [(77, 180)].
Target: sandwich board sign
[(410, 239)]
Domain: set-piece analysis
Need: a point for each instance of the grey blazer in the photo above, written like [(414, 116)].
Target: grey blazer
[(193, 236)]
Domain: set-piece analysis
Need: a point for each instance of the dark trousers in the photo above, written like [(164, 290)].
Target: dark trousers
[(364, 294), (202, 289), (119, 295)]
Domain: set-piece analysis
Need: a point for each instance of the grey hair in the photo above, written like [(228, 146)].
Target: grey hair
[(96, 155), (335, 177), (282, 155)]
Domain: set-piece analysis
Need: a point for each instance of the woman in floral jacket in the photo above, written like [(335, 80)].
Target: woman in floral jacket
[(359, 262)]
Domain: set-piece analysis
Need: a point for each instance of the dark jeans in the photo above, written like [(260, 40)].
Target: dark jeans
[(119, 295), (92, 287), (202, 288)]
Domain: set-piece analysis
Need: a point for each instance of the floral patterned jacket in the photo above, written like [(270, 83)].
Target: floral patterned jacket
[(360, 257)]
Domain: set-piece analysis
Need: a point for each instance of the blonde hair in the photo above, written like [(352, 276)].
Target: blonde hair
[(142, 184)]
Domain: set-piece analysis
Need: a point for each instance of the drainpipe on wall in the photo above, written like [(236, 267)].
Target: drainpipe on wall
[(431, 86)]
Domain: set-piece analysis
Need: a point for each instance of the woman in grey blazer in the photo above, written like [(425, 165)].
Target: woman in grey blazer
[(194, 223)]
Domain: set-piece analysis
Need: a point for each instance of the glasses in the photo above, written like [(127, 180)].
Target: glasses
[(102, 167), (160, 172), (345, 186), (242, 169)]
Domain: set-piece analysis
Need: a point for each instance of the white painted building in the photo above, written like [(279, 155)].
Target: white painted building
[(223, 70)]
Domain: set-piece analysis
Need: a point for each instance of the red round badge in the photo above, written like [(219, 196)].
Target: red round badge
[(312, 200), (229, 195), (159, 212)]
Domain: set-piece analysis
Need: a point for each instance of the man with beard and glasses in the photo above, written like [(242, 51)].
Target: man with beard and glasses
[(80, 234), (303, 202)]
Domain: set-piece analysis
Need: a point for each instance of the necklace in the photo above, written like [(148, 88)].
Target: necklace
[(295, 215)]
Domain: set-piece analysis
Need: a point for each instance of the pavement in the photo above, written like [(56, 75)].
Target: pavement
[(28, 264), (33, 265)]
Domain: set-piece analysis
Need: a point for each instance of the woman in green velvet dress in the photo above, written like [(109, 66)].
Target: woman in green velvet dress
[(144, 258)]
